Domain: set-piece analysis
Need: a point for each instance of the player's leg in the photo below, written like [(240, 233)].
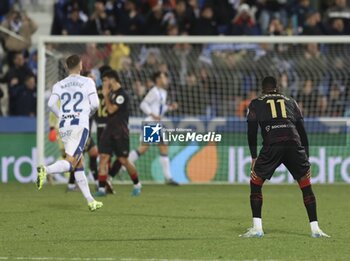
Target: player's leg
[(165, 163), (298, 165), (83, 185), (74, 141), (106, 151), (133, 175), (135, 154), (263, 168), (103, 174)]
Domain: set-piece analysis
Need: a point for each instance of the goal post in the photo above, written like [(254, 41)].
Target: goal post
[(212, 80)]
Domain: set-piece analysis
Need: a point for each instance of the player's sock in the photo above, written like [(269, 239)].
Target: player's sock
[(256, 201), (314, 226), (93, 167), (135, 178), (134, 155), (310, 203), (165, 163), (115, 168), (83, 184), (71, 180), (308, 197), (59, 166), (102, 180)]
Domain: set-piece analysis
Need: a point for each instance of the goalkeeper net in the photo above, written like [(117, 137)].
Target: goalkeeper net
[(213, 80)]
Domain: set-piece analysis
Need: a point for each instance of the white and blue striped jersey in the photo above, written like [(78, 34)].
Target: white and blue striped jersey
[(78, 100)]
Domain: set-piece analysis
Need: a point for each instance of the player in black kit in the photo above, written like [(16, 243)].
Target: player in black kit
[(115, 137), (284, 142)]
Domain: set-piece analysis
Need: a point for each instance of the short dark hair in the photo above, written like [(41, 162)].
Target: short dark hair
[(157, 74), (269, 83), (111, 74), (73, 61), (104, 68)]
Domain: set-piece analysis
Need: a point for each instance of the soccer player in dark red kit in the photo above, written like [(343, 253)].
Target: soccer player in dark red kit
[(284, 142), (115, 137)]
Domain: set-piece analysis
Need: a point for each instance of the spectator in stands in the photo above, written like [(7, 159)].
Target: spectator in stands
[(192, 99), (73, 24), (184, 17), (313, 25), (94, 57), (339, 10), (154, 21), (337, 27), (33, 62), (225, 11), (24, 97), (119, 55), (336, 102), (276, 27), (308, 99), (301, 12), (206, 24), (243, 23), (22, 28), (129, 20), (17, 74), (272, 9), (100, 23), (4, 9)]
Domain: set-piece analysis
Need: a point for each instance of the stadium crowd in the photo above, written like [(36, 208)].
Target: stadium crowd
[(217, 75)]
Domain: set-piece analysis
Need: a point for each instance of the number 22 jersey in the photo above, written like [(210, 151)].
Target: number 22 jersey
[(73, 93)]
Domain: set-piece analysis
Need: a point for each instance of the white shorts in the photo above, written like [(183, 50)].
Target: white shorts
[(74, 139)]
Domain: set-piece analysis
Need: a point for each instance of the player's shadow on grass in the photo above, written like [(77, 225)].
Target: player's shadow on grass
[(272, 232), (65, 206)]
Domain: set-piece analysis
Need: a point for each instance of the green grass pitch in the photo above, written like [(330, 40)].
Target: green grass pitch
[(195, 222)]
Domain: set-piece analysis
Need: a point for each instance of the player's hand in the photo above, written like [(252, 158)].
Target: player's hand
[(53, 135), (157, 118), (174, 106), (105, 90)]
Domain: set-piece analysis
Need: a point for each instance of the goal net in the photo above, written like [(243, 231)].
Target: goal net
[(213, 80)]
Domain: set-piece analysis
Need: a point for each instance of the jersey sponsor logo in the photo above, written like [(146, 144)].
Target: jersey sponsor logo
[(70, 116), (267, 128), (120, 99)]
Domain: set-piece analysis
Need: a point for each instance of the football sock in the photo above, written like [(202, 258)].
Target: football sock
[(71, 180), (314, 226), (83, 184), (59, 166), (310, 203), (102, 180), (115, 168), (93, 167), (134, 155), (165, 163), (256, 199), (257, 223), (135, 178)]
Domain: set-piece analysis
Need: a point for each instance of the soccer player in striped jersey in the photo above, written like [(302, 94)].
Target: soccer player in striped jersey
[(154, 105), (78, 101)]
